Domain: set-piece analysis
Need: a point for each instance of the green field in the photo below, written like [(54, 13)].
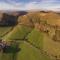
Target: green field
[(18, 33), (4, 30), (27, 52), (29, 49), (36, 38)]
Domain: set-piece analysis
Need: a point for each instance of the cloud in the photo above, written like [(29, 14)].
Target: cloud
[(32, 5)]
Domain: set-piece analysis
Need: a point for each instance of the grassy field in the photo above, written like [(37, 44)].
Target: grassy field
[(4, 30), (33, 44), (19, 32), (28, 50), (36, 38), (51, 47)]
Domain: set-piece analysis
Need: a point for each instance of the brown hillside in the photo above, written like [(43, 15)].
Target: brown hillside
[(50, 17), (29, 18)]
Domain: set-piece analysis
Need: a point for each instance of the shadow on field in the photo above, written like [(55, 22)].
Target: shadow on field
[(10, 51), (13, 51)]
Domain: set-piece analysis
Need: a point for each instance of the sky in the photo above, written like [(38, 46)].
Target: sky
[(30, 5)]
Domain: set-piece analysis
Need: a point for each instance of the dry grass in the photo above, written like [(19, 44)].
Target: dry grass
[(52, 48)]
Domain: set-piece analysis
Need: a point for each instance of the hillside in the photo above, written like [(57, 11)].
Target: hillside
[(37, 35)]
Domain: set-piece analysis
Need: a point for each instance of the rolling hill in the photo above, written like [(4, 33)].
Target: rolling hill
[(35, 32)]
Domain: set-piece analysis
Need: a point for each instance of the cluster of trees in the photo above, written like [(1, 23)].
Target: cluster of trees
[(8, 20)]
